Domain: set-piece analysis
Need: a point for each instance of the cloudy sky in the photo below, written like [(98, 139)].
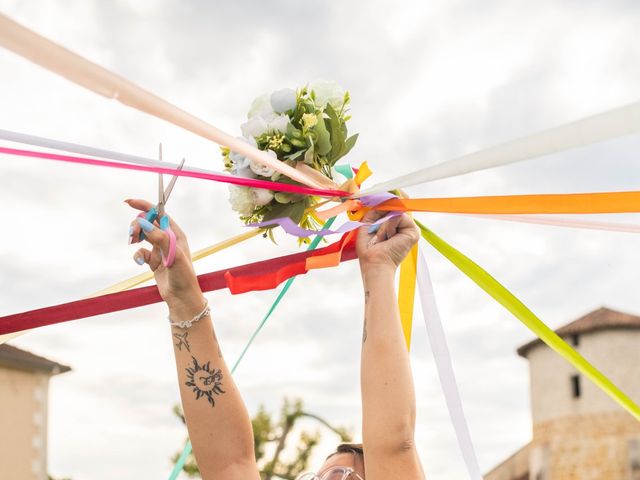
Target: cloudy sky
[(429, 81)]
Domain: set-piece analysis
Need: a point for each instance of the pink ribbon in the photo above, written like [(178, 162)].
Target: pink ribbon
[(217, 177)]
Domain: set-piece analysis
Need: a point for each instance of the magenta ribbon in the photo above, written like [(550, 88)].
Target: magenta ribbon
[(217, 177)]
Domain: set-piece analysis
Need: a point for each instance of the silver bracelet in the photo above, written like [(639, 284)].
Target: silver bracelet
[(188, 323)]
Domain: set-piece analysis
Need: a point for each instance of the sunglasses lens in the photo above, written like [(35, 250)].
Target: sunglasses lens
[(337, 473)]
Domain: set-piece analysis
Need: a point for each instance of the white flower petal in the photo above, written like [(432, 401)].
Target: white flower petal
[(260, 106), (283, 100)]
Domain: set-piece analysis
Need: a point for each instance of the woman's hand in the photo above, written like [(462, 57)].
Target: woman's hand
[(387, 247), (178, 283)]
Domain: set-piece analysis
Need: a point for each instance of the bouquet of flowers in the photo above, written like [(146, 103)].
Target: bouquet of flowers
[(307, 125)]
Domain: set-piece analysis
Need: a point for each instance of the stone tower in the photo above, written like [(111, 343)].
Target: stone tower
[(579, 433)]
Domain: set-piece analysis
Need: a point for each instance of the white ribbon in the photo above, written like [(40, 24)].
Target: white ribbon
[(81, 71), (93, 151), (596, 128), (442, 358), (565, 222)]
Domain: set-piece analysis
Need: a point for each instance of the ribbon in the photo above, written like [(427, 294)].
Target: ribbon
[(81, 71), (605, 202), (263, 275), (446, 374), (407, 292), (566, 222), (163, 168), (148, 275), (604, 126), (294, 229), (177, 468), (503, 296)]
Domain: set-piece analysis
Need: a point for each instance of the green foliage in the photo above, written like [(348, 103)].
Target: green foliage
[(271, 442), (316, 135)]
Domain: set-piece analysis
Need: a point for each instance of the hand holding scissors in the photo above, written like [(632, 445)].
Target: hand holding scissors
[(157, 214)]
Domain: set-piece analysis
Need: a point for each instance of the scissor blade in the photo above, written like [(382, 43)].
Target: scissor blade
[(167, 192)]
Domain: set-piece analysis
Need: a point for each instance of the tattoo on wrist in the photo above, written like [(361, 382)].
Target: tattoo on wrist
[(364, 331), (182, 341), (204, 381)]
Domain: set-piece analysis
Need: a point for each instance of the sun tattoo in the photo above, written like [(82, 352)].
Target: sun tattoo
[(204, 381)]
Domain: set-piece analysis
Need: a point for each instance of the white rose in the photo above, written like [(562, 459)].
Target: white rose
[(261, 196), (260, 107), (245, 172), (277, 123), (327, 91), (263, 170), (254, 127), (241, 199), (283, 100), (239, 161)]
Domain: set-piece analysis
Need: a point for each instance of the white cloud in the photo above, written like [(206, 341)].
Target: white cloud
[(429, 81)]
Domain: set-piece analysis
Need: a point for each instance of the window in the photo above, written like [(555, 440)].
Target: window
[(575, 386)]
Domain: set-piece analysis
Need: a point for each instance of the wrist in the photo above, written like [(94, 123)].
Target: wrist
[(186, 306), (377, 270)]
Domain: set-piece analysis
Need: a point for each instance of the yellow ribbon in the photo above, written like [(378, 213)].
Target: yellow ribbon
[(407, 291)]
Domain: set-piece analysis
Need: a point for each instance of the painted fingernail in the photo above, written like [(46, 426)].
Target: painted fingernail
[(374, 228), (145, 224), (139, 260)]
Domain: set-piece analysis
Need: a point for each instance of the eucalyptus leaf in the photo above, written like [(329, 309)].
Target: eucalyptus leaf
[(295, 211), (348, 145), (323, 138), (309, 154), (282, 197)]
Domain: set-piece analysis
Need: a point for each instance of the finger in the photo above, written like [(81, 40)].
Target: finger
[(153, 234), (408, 226), (134, 232), (142, 256), (139, 204), (388, 229), (373, 215)]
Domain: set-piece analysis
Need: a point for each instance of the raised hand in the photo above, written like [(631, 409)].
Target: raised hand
[(176, 282), (387, 246)]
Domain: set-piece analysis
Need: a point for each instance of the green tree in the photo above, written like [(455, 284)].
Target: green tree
[(274, 435)]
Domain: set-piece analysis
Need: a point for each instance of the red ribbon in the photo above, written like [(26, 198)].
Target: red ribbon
[(263, 275)]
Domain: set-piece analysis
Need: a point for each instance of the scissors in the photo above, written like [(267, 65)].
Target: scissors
[(158, 213)]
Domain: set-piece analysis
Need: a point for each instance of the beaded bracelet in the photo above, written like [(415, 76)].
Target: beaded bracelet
[(188, 323)]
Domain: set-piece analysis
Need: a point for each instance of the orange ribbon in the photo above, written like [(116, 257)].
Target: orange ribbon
[(606, 202)]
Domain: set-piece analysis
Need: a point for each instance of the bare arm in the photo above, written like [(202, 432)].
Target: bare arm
[(217, 419), (388, 397)]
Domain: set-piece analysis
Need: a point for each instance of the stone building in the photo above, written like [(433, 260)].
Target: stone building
[(24, 387), (579, 433)]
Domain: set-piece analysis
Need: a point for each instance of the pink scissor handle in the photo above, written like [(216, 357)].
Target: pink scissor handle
[(170, 258)]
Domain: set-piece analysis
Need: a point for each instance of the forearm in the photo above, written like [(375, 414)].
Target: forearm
[(388, 397), (218, 423)]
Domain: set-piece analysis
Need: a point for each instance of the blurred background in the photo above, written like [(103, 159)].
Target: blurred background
[(428, 81)]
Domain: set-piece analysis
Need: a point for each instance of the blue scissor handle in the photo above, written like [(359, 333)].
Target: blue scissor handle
[(151, 217), (164, 223)]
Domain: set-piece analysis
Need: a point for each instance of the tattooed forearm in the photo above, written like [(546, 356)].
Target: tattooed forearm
[(204, 381), (182, 341)]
